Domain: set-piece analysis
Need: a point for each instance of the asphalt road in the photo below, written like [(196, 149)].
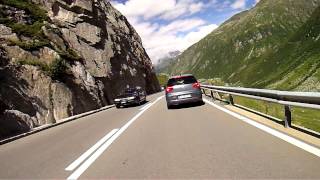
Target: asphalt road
[(150, 141)]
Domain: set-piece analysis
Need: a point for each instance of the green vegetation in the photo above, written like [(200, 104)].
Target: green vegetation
[(36, 12), (55, 70), (70, 55), (302, 62), (29, 45), (215, 82), (34, 30), (300, 59), (274, 45), (4, 20), (265, 107), (35, 62), (304, 117), (163, 79), (307, 118)]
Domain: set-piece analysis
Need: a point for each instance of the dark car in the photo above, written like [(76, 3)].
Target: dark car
[(130, 96), (183, 89)]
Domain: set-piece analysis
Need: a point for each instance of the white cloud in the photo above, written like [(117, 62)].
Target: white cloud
[(239, 4), (158, 44), (170, 25), (181, 26), (183, 8), (178, 33), (197, 35), (160, 40), (194, 8), (167, 9)]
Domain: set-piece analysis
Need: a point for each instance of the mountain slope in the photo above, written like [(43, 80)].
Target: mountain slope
[(165, 62), (60, 58), (243, 50), (301, 71)]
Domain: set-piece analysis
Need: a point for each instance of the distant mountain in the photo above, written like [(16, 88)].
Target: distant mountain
[(273, 45), (166, 61)]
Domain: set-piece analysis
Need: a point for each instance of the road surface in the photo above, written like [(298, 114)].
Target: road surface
[(150, 141)]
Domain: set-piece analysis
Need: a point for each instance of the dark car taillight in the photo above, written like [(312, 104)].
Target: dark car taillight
[(169, 89), (196, 85)]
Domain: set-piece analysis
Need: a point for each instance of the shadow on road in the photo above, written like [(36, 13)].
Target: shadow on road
[(189, 105)]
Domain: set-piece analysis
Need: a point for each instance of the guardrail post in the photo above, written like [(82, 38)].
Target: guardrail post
[(231, 99), (212, 96), (288, 118), (203, 92)]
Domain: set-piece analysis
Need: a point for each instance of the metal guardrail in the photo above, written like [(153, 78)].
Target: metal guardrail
[(286, 98)]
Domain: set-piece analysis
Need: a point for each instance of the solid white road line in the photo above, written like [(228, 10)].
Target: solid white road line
[(85, 155), (289, 139), (145, 106), (77, 173)]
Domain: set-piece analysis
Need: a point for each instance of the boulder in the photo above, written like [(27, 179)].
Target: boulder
[(13, 122)]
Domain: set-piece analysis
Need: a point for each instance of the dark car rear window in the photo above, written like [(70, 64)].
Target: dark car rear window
[(129, 91), (182, 80)]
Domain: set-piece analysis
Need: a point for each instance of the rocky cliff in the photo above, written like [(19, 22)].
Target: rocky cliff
[(59, 58)]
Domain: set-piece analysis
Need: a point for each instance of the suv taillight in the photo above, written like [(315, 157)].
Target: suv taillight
[(196, 85), (169, 89)]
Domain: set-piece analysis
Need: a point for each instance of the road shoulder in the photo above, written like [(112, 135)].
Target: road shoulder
[(314, 141)]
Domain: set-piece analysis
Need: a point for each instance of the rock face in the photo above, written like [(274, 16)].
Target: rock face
[(61, 58)]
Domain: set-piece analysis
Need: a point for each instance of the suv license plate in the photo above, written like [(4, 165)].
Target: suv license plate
[(184, 96)]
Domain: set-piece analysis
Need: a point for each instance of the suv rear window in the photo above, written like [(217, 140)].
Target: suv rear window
[(182, 80)]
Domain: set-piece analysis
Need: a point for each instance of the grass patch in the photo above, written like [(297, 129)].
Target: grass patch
[(5, 20), (305, 117), (37, 15), (163, 79), (70, 55), (265, 107), (55, 70), (34, 62), (29, 45), (33, 30), (215, 82), (34, 10)]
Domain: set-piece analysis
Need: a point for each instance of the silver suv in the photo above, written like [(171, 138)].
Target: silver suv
[(183, 89)]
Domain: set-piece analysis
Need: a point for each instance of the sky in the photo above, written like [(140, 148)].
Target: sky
[(170, 25)]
